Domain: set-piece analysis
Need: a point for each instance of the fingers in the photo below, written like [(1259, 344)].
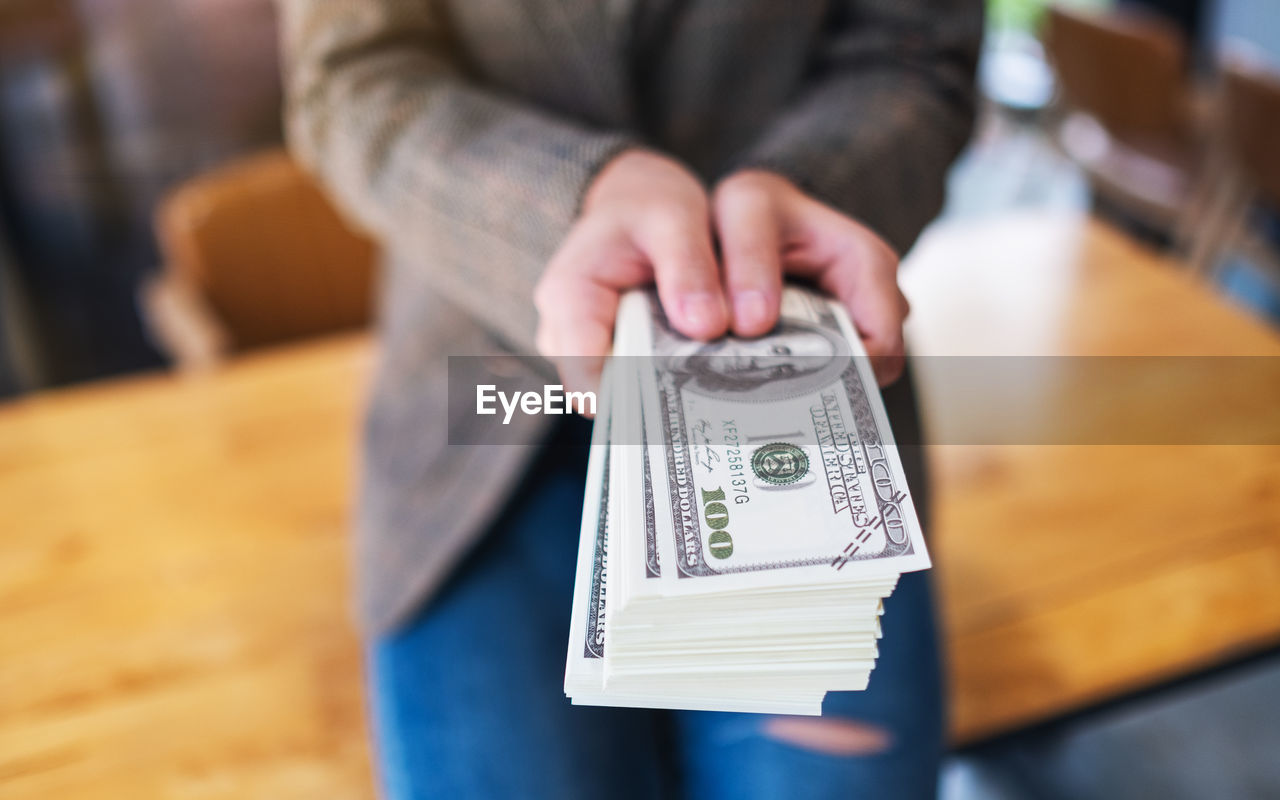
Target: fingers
[(645, 217), (575, 328), (750, 245), (866, 281), (578, 339), (878, 311), (684, 267)]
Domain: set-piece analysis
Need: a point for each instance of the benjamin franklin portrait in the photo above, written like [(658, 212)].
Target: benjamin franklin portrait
[(797, 359)]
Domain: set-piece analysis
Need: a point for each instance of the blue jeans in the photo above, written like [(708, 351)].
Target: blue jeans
[(468, 699)]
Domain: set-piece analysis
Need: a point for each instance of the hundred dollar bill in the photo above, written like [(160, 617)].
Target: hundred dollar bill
[(584, 668), (771, 460), (585, 663)]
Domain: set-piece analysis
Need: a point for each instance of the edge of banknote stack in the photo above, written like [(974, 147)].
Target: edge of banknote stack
[(746, 515)]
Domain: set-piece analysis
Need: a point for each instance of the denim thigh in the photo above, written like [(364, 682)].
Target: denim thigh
[(731, 756), (468, 699)]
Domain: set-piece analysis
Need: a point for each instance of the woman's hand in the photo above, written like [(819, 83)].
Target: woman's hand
[(645, 219), (768, 228)]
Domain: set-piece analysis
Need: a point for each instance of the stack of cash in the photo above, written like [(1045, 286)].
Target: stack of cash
[(746, 515)]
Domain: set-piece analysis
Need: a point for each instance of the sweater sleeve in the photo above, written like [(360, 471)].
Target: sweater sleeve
[(484, 186), (888, 105)]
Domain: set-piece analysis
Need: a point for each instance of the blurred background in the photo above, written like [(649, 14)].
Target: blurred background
[(151, 223), (110, 107)]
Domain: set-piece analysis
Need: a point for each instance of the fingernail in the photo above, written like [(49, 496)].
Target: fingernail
[(750, 309), (701, 311)]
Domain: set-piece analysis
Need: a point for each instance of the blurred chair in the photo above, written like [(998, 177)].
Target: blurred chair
[(1250, 139), (1127, 116), (254, 255)]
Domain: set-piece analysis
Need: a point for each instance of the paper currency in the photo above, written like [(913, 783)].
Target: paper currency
[(746, 514)]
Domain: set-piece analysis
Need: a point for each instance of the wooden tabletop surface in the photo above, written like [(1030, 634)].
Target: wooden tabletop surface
[(173, 583), (1072, 573)]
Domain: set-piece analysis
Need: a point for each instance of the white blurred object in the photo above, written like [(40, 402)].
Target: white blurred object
[(1014, 72)]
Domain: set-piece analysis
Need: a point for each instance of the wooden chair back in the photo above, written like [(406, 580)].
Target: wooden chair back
[(266, 253), (1128, 70), (1251, 105)]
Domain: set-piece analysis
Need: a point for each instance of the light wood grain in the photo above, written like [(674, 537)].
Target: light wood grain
[(1070, 574), (173, 586), (173, 563)]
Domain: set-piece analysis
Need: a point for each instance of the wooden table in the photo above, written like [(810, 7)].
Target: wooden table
[(173, 587), (1070, 574)]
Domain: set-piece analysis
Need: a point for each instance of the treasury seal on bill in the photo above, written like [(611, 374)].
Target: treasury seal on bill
[(779, 463)]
